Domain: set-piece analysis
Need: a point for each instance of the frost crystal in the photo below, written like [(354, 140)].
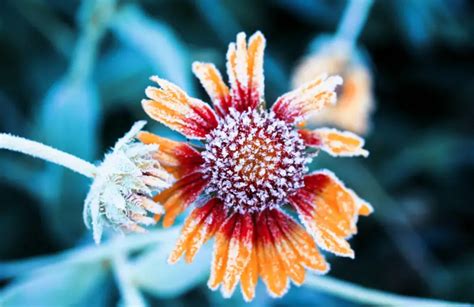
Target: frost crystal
[(120, 195), (253, 161)]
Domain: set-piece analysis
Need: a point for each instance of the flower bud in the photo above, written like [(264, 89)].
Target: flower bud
[(123, 186)]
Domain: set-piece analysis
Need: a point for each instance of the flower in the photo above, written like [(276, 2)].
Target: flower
[(120, 195), (356, 102), (253, 162)]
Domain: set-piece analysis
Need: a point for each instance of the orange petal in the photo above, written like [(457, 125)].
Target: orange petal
[(221, 250), (237, 70), (365, 209), (240, 249), (303, 243), (271, 268), (232, 67), (356, 104), (232, 252), (215, 87), (213, 221), (329, 211), (199, 227), (178, 158), (286, 252), (245, 70), (330, 241), (170, 105), (255, 68), (355, 99), (249, 278), (336, 143), (180, 195), (241, 61), (306, 100), (326, 215)]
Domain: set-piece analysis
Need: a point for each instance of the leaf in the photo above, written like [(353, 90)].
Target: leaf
[(157, 42), (68, 286), (152, 273), (68, 117), (68, 120), (122, 78)]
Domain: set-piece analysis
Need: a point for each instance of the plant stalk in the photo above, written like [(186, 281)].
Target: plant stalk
[(44, 152), (353, 21), (366, 296)]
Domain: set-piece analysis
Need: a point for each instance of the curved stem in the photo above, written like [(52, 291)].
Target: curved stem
[(353, 20), (363, 295), (41, 151), (131, 296)]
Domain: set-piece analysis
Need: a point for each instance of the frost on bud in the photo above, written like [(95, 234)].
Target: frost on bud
[(120, 195)]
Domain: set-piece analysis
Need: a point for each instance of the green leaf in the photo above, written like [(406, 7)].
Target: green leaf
[(68, 120), (157, 42), (68, 286), (122, 78), (68, 117)]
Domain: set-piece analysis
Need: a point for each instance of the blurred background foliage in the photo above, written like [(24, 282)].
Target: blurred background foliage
[(72, 75)]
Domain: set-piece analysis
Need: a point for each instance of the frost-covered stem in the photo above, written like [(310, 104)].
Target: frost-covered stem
[(131, 296), (41, 151), (355, 293), (353, 20)]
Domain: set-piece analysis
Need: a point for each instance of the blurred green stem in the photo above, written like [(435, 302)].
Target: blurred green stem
[(131, 296), (353, 21), (41, 151), (94, 18), (355, 293)]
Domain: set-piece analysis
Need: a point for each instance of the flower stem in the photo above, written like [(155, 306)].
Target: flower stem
[(47, 153), (353, 20), (130, 294), (355, 293)]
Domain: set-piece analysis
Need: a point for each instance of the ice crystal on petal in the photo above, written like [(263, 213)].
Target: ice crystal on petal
[(253, 161), (120, 195)]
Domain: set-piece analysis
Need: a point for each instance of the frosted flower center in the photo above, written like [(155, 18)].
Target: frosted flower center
[(254, 161)]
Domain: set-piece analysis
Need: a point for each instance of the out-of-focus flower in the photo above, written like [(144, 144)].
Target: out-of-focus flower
[(120, 195), (254, 162), (355, 100)]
